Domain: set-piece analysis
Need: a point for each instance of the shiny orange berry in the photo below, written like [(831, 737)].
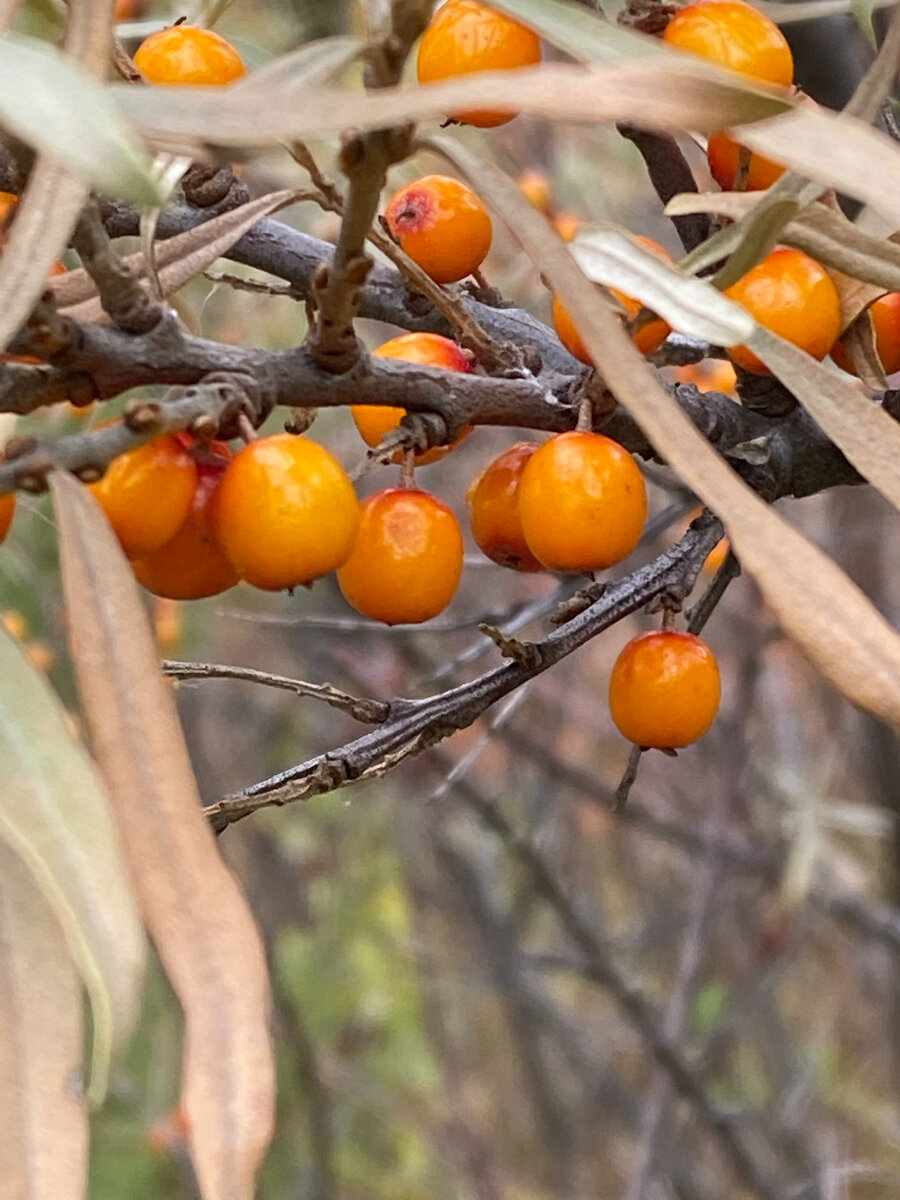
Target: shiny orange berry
[(465, 36), (567, 225), (191, 565), (717, 556), (442, 225), (723, 156), (7, 510), (664, 690), (582, 502), (286, 512), (647, 338), (710, 375), (885, 314), (493, 501), (147, 494), (407, 560), (188, 56), (734, 35), (535, 187), (793, 296), (130, 10), (428, 350)]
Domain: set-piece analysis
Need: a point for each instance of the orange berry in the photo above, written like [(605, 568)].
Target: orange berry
[(428, 350), (710, 375), (286, 512), (147, 494), (734, 35), (885, 314), (535, 187), (187, 56), (465, 36), (582, 502), (567, 225), (793, 296), (717, 556), (407, 560), (647, 338), (8, 204), (493, 501), (723, 156), (191, 565), (168, 624), (130, 10), (7, 510), (664, 690), (442, 225)]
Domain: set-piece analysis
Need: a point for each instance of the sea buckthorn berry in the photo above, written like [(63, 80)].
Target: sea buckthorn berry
[(7, 511), (793, 296), (188, 56), (191, 565), (465, 36), (734, 35), (535, 187), (710, 375), (147, 494), (428, 350), (647, 338), (723, 156), (130, 10), (493, 501), (407, 560), (442, 225), (664, 690), (885, 314), (567, 225), (286, 512), (582, 502)]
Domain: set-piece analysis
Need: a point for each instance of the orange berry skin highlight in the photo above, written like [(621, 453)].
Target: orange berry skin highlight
[(885, 314), (465, 36), (723, 156), (428, 350), (582, 502), (442, 225), (733, 35), (191, 566), (664, 690), (188, 56), (286, 512), (493, 501), (7, 511), (147, 494), (407, 560), (793, 296)]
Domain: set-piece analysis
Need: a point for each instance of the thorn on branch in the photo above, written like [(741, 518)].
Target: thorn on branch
[(573, 605), (527, 654)]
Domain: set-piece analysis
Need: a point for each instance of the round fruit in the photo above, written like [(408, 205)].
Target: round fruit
[(710, 375), (793, 296), (186, 55), (407, 560), (493, 501), (428, 350), (465, 36), (286, 512), (442, 225), (582, 502), (567, 225), (647, 338), (734, 35), (723, 156), (130, 10), (191, 566), (664, 690), (147, 494), (535, 187), (885, 314), (7, 510)]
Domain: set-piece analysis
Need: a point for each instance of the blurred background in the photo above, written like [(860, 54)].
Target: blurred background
[(481, 973)]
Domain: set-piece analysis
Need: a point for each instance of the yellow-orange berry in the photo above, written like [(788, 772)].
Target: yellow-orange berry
[(493, 501), (185, 55), (710, 375), (793, 296), (130, 10), (428, 350), (567, 225), (147, 494), (535, 187), (286, 512), (885, 314), (664, 690), (734, 35), (191, 565), (582, 502), (7, 511), (407, 560), (465, 36), (723, 156), (442, 225)]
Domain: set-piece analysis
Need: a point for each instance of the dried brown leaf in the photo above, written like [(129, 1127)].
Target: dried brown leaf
[(191, 904)]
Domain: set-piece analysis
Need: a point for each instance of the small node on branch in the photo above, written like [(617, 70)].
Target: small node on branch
[(583, 599), (142, 417), (204, 428), (17, 446), (300, 420), (90, 474), (527, 654), (205, 187), (34, 479)]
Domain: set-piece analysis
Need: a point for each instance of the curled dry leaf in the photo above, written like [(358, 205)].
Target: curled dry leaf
[(43, 1150), (814, 601), (54, 814), (192, 907)]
